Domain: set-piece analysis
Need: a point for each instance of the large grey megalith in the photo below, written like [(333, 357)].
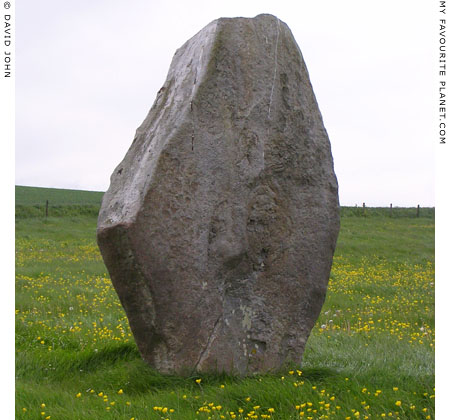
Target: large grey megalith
[(219, 226)]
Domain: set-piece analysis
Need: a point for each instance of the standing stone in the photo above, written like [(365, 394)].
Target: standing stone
[(219, 227)]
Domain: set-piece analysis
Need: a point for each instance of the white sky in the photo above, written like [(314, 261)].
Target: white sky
[(87, 73)]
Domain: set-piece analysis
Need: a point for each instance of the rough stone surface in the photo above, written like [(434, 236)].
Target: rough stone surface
[(219, 226)]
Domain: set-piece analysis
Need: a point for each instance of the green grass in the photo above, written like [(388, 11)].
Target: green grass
[(32, 202), (372, 346), (30, 196), (395, 212)]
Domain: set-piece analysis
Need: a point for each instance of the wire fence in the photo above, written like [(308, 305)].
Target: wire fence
[(60, 210), (390, 211)]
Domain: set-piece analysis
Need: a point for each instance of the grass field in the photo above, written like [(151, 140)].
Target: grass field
[(370, 355), (32, 202), (30, 196)]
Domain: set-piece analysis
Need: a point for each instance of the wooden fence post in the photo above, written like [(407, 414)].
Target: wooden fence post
[(364, 208), (418, 210), (390, 210), (46, 208)]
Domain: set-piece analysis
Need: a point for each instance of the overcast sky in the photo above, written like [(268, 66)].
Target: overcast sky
[(88, 73)]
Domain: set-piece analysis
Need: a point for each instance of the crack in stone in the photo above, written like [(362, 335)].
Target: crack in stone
[(211, 338), (276, 64)]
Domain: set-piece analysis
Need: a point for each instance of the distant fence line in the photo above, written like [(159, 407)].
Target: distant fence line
[(391, 211), (49, 210)]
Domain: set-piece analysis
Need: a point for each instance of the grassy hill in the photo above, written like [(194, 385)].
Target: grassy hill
[(31, 202), (31, 196)]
